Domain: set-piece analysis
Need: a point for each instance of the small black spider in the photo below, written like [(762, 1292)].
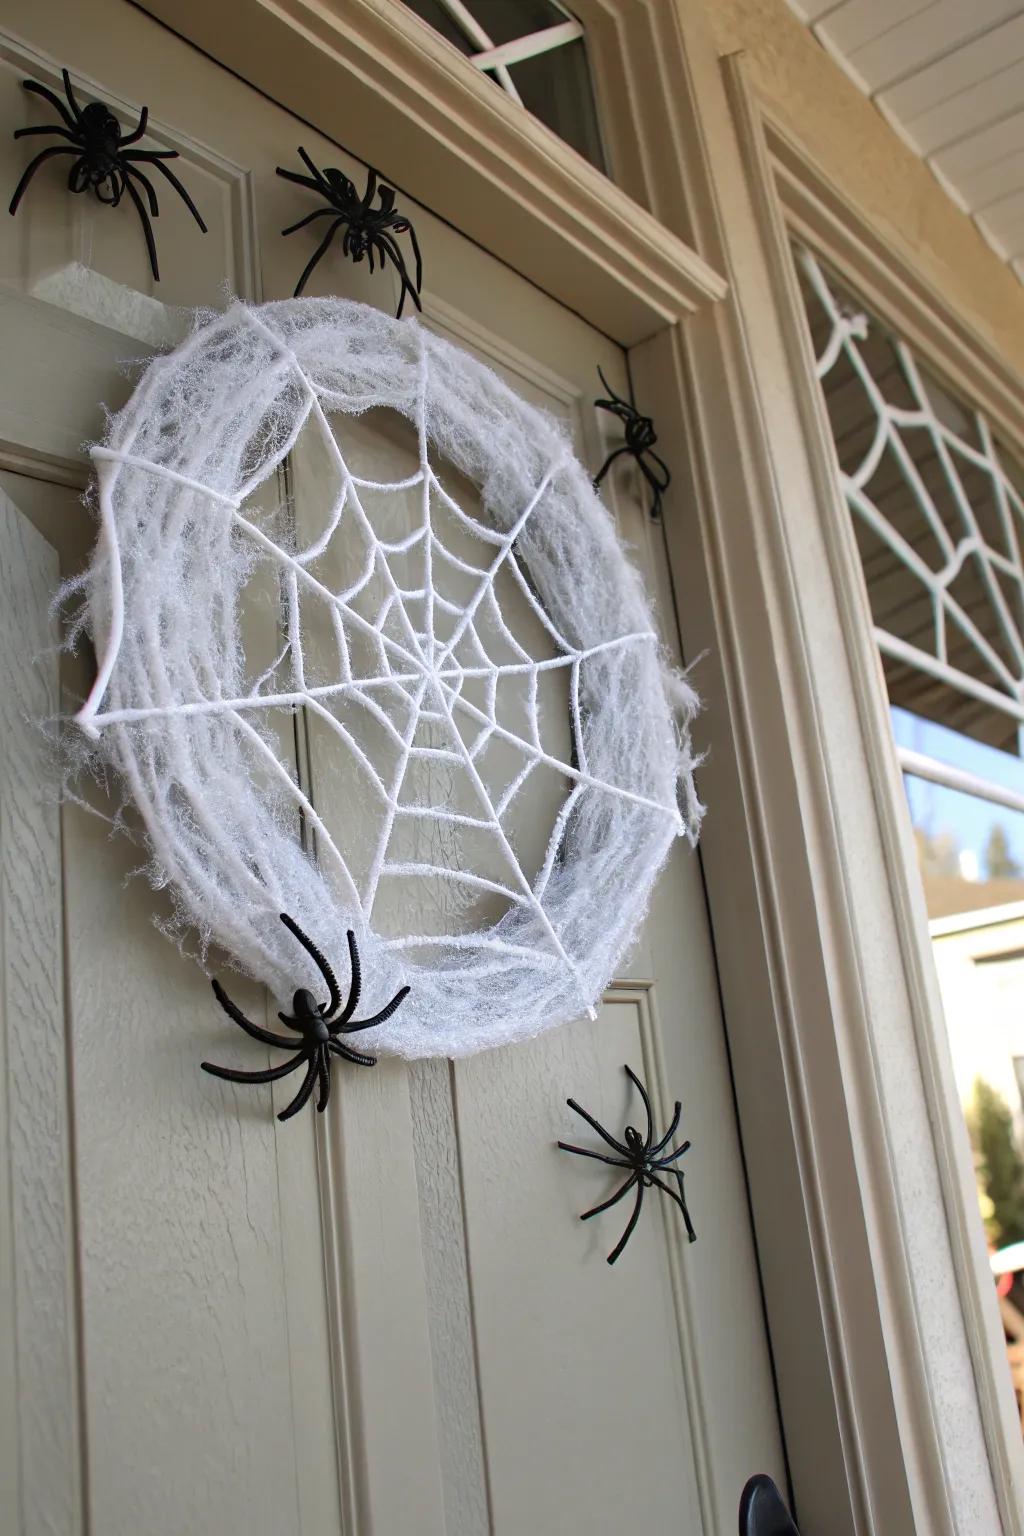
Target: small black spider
[(640, 440), (369, 231), (102, 160), (644, 1157), (316, 1024)]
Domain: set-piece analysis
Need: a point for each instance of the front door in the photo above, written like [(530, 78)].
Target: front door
[(390, 1320)]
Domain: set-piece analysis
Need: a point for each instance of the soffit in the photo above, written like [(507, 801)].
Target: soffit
[(949, 77)]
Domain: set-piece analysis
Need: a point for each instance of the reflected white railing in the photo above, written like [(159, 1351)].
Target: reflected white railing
[(499, 58), (956, 534), (921, 766)]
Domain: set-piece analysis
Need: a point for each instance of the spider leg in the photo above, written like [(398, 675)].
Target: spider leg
[(679, 1200), (666, 474), (154, 206), (149, 157), (638, 1085), (634, 1218), (33, 166), (323, 1073), (616, 1162), (350, 1055), (65, 133), (321, 248), (302, 1095), (318, 213), (69, 93), (663, 1162), (416, 252), (55, 101), (355, 985), (677, 1111), (271, 1075), (314, 953), (236, 1016), (314, 170), (304, 181), (392, 249), (147, 229), (609, 461), (604, 1135), (139, 130), (618, 409), (378, 1018), (611, 393), (619, 1194), (371, 188)]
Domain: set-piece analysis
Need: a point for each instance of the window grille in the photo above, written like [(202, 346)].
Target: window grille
[(938, 509), (535, 51)]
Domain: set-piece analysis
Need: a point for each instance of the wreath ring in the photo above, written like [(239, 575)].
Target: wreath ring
[(174, 712)]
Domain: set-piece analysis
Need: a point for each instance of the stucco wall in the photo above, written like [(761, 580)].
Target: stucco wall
[(865, 158)]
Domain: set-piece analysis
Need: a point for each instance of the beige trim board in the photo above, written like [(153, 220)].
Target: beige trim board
[(413, 107)]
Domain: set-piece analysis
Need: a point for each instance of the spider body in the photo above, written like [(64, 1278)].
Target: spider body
[(104, 162), (316, 1025), (640, 438), (645, 1159), (370, 232)]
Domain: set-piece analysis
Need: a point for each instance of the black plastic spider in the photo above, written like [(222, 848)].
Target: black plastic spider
[(369, 231), (644, 1157), (317, 1025), (640, 440), (102, 160)]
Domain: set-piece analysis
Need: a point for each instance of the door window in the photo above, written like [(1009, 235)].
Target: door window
[(535, 51), (936, 504)]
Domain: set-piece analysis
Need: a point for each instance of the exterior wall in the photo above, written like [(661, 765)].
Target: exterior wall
[(866, 160), (979, 957)]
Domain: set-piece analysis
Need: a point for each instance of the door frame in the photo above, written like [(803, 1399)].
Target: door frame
[(681, 274), (929, 1198)]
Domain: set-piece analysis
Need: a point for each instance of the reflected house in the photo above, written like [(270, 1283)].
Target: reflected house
[(979, 957)]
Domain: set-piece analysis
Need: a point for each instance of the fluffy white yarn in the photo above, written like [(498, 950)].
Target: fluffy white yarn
[(174, 712)]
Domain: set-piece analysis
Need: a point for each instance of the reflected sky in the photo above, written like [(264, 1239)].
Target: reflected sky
[(937, 810)]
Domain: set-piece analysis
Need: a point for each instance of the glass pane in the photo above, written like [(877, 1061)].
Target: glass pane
[(435, 15), (555, 86), (971, 858), (506, 20), (938, 513)]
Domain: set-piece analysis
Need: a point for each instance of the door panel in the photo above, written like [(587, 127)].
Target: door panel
[(582, 1368), (390, 1319)]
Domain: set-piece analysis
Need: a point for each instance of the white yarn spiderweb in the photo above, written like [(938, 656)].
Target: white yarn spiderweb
[(421, 662)]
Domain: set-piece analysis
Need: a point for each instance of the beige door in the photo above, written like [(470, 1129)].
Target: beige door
[(392, 1320)]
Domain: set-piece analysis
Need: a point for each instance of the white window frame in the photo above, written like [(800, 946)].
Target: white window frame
[(790, 198)]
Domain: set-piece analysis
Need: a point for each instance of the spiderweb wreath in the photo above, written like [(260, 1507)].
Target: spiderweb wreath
[(176, 711)]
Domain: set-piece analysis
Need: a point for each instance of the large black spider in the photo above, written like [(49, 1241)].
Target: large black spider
[(102, 160), (640, 440), (644, 1157), (369, 231), (317, 1025)]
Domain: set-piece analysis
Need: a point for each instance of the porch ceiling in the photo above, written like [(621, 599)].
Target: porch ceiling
[(949, 76)]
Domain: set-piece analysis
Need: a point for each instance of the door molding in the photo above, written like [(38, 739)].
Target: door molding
[(375, 78)]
